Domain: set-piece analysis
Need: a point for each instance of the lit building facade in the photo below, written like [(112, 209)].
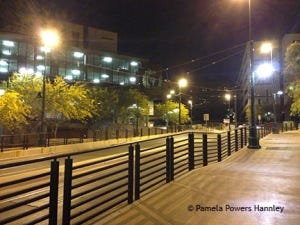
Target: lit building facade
[(83, 54), (271, 101)]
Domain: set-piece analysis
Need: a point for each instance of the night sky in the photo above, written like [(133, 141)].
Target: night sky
[(202, 37)]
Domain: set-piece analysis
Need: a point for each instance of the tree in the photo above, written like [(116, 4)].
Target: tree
[(169, 112), (105, 104), (133, 107), (14, 112), (63, 101), (292, 63), (67, 101)]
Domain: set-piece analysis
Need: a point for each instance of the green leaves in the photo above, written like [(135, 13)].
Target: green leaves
[(13, 110), (22, 101), (292, 64), (169, 112)]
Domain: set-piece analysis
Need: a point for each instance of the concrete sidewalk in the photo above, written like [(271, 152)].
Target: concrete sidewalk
[(252, 187)]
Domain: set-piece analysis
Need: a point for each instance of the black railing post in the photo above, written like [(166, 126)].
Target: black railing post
[(53, 206), (106, 133), (236, 140), (2, 143), (130, 173), (228, 143), (67, 191), (169, 159), (137, 170), (172, 158), (219, 148), (242, 138), (191, 152), (204, 149), (117, 134), (24, 142), (245, 135)]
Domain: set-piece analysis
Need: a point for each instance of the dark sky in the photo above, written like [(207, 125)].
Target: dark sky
[(174, 32)]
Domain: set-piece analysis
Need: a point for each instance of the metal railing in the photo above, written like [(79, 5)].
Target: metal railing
[(62, 191), (25, 141)]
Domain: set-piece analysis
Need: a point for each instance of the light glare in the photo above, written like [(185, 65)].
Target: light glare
[(265, 70)]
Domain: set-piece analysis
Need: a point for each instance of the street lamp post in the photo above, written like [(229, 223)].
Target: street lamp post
[(228, 98), (49, 39), (191, 104), (181, 83), (253, 138)]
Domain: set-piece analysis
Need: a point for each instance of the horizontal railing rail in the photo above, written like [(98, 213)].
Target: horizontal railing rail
[(90, 187)]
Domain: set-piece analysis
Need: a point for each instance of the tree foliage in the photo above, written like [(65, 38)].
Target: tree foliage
[(294, 92), (292, 64), (14, 112), (132, 105), (63, 101), (169, 112), (292, 61), (119, 106), (105, 104)]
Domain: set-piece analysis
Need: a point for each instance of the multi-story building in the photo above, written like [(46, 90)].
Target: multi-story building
[(84, 53), (270, 83)]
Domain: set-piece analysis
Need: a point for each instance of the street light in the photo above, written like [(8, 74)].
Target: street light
[(253, 139), (227, 97), (191, 104), (181, 83), (49, 39)]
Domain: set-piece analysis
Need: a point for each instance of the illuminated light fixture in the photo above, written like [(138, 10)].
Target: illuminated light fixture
[(3, 63), (107, 59), (75, 72), (39, 57), (133, 63), (279, 92), (41, 67), (122, 83), (265, 70), (24, 70), (45, 49), (105, 76), (227, 97), (266, 48), (96, 81), (30, 71), (3, 70), (78, 54), (132, 79), (69, 77), (49, 37), (6, 52), (182, 83), (8, 43), (38, 74)]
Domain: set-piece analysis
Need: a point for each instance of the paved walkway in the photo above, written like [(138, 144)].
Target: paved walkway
[(252, 187)]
